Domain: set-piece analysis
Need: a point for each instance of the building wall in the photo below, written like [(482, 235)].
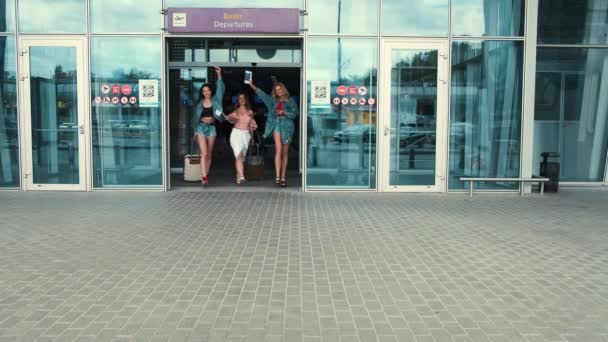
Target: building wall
[(342, 42)]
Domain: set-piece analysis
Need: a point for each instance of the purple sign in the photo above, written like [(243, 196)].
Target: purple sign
[(237, 20)]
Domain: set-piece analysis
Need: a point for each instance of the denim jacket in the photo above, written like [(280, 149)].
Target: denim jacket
[(286, 125), (216, 101)]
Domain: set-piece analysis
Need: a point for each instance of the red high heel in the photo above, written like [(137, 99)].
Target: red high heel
[(205, 180)]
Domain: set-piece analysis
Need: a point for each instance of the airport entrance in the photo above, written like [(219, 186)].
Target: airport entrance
[(191, 63)]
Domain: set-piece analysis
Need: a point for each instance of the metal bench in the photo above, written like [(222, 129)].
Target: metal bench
[(541, 181)]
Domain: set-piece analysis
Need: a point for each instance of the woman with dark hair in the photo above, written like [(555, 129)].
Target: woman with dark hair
[(244, 125), (282, 110), (208, 110)]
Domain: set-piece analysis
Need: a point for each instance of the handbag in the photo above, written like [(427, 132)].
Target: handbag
[(254, 163)]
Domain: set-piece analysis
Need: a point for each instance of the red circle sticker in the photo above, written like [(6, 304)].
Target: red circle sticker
[(337, 101), (105, 89), (342, 90), (133, 100), (124, 100), (98, 99), (353, 101), (126, 89), (362, 101), (115, 89), (362, 91), (115, 100), (345, 101), (352, 90), (106, 99), (371, 101)]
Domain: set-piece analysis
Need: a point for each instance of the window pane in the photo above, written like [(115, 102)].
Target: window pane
[(342, 138), (235, 3), (130, 16), (488, 18), (7, 15), (579, 130), (415, 17), (9, 143), (485, 113), (343, 16), (572, 22), (127, 130), (57, 16)]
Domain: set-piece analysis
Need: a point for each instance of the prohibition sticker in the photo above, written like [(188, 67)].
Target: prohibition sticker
[(115, 100), (353, 101), (337, 101), (345, 101), (362, 101), (352, 90), (132, 100), (115, 89), (124, 100), (98, 99), (371, 101), (106, 100), (126, 89), (105, 89), (362, 91), (342, 90)]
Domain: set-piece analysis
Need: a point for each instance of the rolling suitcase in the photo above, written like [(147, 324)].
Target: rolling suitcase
[(192, 169), (254, 163)]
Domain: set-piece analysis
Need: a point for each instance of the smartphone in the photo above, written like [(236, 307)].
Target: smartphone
[(248, 76)]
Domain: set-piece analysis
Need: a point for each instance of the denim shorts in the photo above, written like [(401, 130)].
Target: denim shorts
[(206, 130)]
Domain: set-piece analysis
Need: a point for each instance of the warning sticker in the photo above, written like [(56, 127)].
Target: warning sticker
[(352, 90), (371, 101), (362, 101), (362, 91), (97, 99), (132, 100), (353, 101), (115, 100), (342, 90), (337, 101), (105, 89), (124, 100), (345, 101), (116, 89)]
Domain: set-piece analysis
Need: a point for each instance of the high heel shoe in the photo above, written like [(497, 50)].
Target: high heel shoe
[(205, 180), (283, 183), (277, 181), (240, 180)]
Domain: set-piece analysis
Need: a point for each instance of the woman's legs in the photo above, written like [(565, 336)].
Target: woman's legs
[(202, 144), (210, 143), (278, 147), (284, 155), (239, 166)]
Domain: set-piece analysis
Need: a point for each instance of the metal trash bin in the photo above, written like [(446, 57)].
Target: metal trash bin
[(549, 168)]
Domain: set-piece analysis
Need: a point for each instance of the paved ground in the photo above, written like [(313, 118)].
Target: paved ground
[(303, 267)]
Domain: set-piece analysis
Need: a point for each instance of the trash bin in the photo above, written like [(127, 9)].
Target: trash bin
[(549, 168)]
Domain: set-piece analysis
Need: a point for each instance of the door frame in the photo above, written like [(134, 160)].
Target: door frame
[(384, 117), (84, 123)]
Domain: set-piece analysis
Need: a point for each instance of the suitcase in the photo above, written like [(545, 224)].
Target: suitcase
[(192, 168), (254, 163)]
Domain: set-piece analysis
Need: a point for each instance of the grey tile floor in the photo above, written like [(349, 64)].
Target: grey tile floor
[(193, 266)]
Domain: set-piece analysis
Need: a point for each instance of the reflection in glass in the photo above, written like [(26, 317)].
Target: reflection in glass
[(129, 16), (343, 17), (126, 137), (7, 15), (572, 22), (54, 115), (413, 124), (571, 112), (9, 143), (235, 3), (57, 16), (485, 113), (488, 18), (342, 138), (415, 17)]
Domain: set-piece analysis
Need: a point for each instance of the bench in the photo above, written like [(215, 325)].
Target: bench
[(541, 181)]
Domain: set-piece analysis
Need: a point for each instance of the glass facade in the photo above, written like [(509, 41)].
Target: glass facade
[(415, 18), (9, 142), (130, 16), (485, 113), (572, 22), (7, 15), (57, 16), (495, 18), (341, 138), (358, 17), (127, 148)]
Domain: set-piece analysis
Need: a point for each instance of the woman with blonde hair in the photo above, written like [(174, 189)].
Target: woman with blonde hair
[(282, 110)]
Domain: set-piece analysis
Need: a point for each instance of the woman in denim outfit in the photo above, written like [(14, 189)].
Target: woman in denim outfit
[(208, 110), (282, 110)]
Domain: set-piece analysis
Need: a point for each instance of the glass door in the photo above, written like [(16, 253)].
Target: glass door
[(53, 106), (413, 116)]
